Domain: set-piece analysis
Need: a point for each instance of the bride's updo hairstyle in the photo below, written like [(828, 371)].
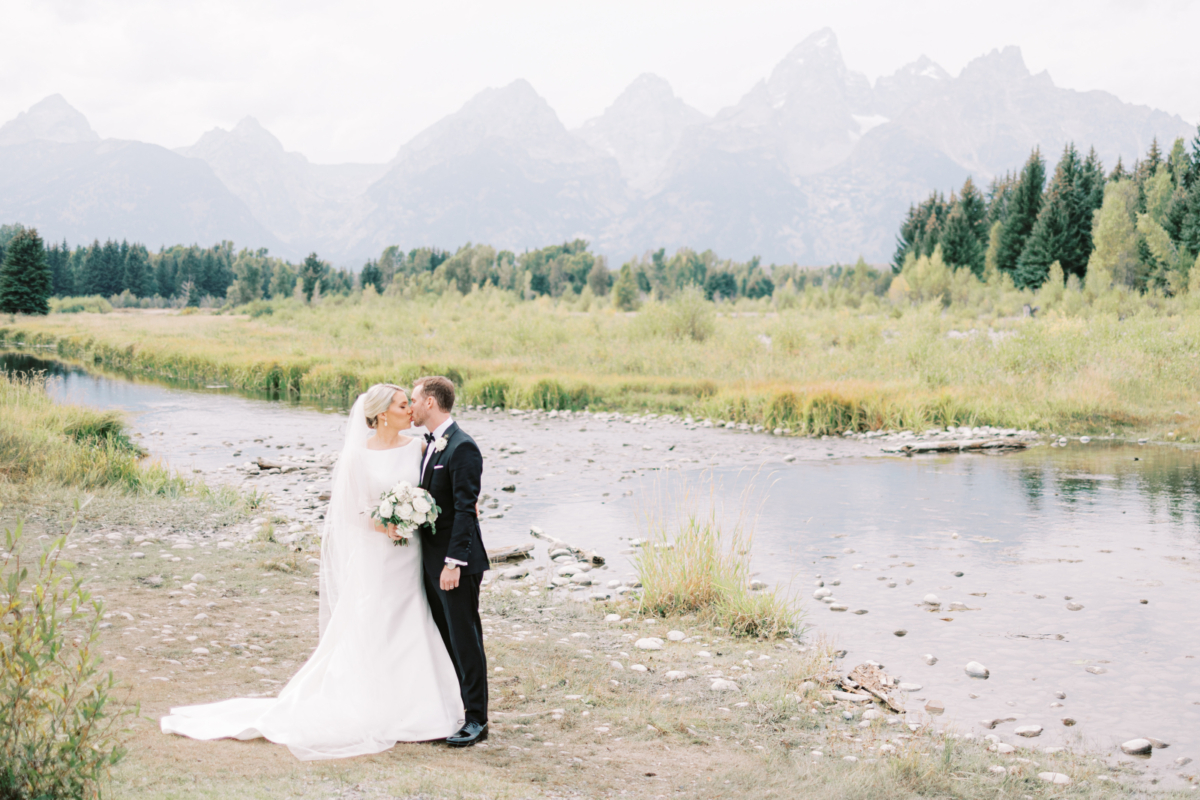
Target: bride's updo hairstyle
[(376, 401)]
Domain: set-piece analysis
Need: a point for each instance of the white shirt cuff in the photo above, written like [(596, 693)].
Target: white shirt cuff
[(454, 562)]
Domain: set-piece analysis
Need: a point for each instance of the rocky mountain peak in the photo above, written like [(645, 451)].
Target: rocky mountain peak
[(52, 119), (514, 114), (1004, 65), (910, 84), (641, 128)]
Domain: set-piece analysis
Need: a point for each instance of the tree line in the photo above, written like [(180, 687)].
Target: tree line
[(1137, 227)]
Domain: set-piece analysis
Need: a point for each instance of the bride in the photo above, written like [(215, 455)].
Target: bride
[(381, 673)]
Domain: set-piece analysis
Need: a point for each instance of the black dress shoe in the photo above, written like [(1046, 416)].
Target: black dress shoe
[(471, 733)]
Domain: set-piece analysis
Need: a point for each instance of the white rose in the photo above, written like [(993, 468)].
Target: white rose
[(405, 511), (385, 510), (421, 505)]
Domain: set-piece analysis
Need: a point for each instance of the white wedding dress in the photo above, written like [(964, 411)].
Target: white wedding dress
[(381, 673)]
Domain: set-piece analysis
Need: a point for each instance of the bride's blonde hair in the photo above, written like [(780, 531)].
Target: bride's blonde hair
[(377, 399)]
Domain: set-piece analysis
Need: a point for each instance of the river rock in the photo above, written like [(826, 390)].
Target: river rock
[(1061, 695), (1137, 747), (676, 636), (200, 651), (977, 670), (872, 714), (675, 675), (1157, 744), (612, 618), (935, 707), (1096, 670), (1074, 606), (957, 606), (1003, 749), (1028, 731), (722, 685), (1182, 761), (838, 607), (929, 659), (822, 592), (997, 770), (651, 643), (638, 668), (932, 600), (514, 573), (1057, 778), (900, 632), (1068, 721), (910, 687), (757, 586)]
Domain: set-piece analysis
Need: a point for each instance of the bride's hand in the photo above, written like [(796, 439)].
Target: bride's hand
[(391, 532)]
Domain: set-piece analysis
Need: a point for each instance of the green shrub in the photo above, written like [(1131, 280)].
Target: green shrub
[(258, 308), (59, 720), (77, 305), (491, 392)]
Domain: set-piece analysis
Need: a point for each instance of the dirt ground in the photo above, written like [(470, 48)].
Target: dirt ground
[(202, 606)]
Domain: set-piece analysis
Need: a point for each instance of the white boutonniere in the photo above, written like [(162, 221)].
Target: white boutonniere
[(440, 444)]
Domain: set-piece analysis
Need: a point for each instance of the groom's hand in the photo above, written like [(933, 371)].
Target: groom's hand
[(449, 578)]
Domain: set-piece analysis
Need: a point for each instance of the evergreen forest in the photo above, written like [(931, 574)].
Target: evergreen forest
[(1138, 227)]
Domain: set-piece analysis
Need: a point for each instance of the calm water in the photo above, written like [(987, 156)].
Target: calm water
[(1102, 525)]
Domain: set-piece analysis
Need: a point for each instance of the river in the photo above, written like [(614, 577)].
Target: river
[(1075, 570)]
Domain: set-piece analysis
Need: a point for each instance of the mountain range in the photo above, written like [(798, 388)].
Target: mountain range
[(813, 165)]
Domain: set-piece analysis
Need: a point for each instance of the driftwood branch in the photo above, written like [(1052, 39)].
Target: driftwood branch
[(912, 448), (584, 555), (510, 553)]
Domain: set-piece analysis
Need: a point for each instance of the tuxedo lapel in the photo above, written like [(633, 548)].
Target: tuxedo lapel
[(436, 457)]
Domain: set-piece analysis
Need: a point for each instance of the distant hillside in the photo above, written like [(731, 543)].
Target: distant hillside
[(813, 165), (56, 174)]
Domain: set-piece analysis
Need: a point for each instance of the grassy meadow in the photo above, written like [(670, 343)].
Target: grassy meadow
[(940, 348)]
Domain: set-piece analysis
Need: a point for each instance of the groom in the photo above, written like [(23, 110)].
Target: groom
[(452, 549)]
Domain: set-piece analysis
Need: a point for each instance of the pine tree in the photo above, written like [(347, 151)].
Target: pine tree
[(1118, 173), (311, 272), (164, 274), (91, 272), (960, 245), (998, 195), (58, 257), (1063, 229), (1189, 226), (25, 279), (1023, 208), (112, 273), (137, 272), (369, 276), (975, 209)]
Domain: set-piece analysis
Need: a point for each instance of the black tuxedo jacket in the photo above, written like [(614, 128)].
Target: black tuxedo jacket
[(453, 478)]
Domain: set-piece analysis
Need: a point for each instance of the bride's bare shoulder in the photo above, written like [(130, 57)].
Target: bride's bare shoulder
[(419, 440)]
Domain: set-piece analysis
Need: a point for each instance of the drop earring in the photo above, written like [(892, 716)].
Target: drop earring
[(385, 421)]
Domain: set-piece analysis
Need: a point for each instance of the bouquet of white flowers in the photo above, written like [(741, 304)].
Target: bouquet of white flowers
[(407, 507)]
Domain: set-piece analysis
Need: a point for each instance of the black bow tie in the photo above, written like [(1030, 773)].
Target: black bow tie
[(429, 437)]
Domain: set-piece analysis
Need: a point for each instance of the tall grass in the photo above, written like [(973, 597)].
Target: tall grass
[(71, 445), (691, 563), (823, 361)]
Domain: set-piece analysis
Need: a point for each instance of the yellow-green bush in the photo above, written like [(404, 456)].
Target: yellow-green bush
[(59, 720)]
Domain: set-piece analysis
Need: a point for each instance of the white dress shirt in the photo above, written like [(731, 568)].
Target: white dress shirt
[(429, 451), (437, 434)]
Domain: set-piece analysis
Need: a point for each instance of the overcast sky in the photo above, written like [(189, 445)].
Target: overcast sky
[(352, 81)]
